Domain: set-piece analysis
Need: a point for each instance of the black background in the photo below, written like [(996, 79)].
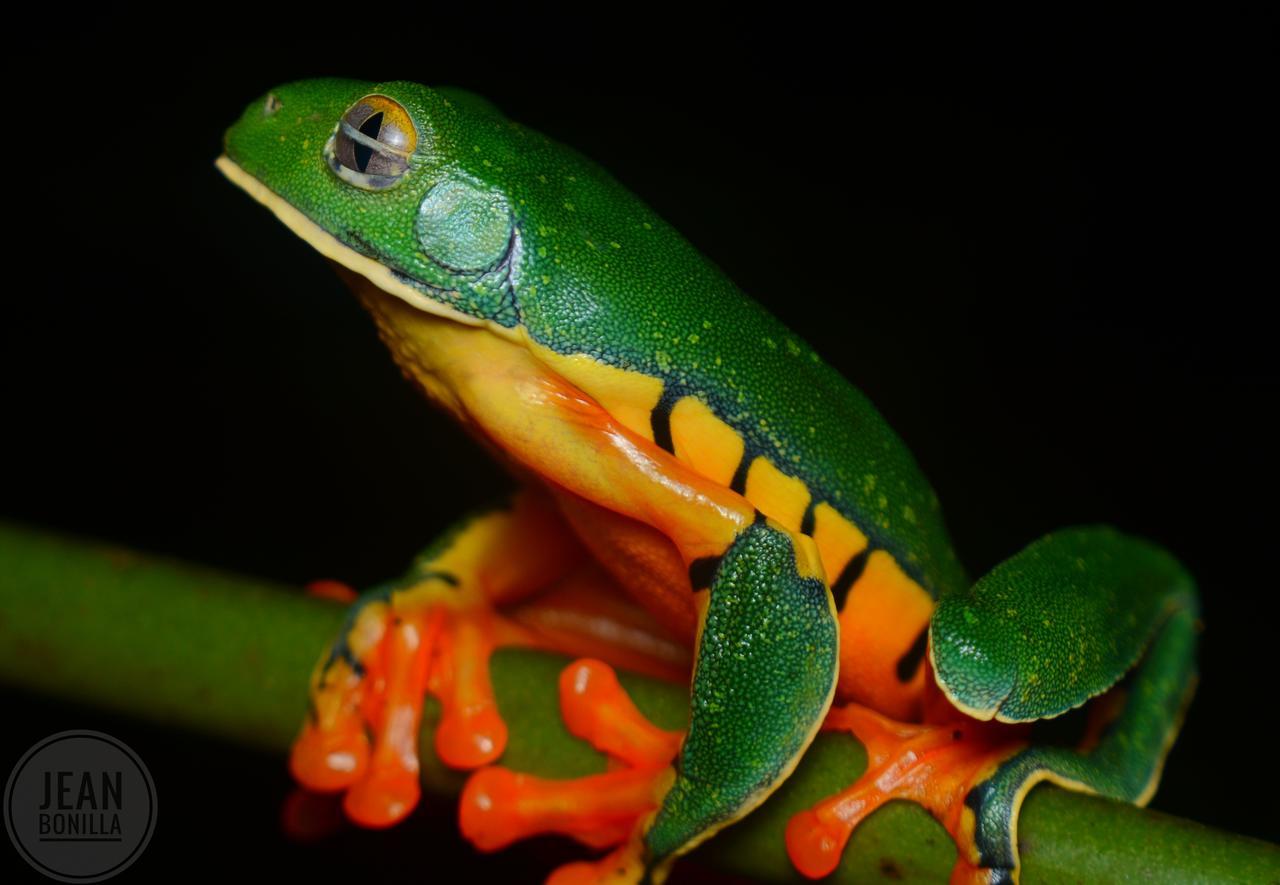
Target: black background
[(1049, 267)]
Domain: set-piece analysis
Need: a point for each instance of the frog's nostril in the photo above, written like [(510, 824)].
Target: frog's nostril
[(271, 105)]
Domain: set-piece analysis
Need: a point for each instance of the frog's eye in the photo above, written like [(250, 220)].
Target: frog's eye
[(372, 144)]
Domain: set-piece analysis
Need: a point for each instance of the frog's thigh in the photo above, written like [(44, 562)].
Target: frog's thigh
[(1045, 631), (765, 675)]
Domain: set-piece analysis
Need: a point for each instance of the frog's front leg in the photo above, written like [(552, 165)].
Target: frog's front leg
[(1050, 629), (767, 652), (430, 631)]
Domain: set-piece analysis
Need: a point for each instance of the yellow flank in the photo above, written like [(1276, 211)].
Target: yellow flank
[(881, 619), (776, 495), (628, 396), (704, 442), (838, 539)]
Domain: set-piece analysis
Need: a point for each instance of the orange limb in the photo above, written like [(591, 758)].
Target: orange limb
[(500, 806), (470, 733), (389, 788), (933, 765), (598, 709)]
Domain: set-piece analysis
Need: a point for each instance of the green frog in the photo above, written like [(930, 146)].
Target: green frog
[(766, 535)]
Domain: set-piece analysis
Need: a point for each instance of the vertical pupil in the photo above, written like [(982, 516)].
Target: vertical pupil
[(370, 127)]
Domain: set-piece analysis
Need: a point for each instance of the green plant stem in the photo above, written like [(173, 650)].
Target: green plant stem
[(230, 656)]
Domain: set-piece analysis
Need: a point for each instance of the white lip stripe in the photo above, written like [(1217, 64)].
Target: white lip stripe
[(329, 246)]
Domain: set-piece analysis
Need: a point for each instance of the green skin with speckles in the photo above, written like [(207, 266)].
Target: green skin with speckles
[(740, 664), (502, 224), (1021, 662)]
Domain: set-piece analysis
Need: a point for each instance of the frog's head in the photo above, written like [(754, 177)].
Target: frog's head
[(440, 200), (403, 184)]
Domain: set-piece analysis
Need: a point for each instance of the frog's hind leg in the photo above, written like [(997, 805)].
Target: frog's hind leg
[(1120, 605), (430, 631)]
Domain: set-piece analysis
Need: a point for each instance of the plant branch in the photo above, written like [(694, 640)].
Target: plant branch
[(230, 656)]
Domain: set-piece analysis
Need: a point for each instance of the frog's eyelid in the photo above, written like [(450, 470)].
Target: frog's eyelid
[(372, 143)]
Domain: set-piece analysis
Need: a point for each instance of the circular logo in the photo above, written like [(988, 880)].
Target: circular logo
[(80, 806)]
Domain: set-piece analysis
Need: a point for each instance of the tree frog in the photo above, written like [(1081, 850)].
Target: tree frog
[(676, 447)]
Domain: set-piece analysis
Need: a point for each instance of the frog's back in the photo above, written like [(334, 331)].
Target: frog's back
[(705, 371)]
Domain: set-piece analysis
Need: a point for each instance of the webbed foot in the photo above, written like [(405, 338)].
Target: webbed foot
[(367, 699)]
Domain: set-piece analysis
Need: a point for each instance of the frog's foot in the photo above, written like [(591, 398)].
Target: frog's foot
[(361, 735), (936, 766), (500, 806)]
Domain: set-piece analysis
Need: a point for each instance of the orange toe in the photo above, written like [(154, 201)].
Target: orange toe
[(598, 709), (383, 799), (814, 846), (471, 732), (501, 806), (329, 760), (389, 790)]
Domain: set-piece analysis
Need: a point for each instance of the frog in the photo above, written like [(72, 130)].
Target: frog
[(681, 452)]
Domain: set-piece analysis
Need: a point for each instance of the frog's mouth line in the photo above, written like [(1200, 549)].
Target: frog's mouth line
[(330, 247)]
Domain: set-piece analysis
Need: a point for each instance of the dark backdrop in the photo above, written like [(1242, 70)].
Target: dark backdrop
[(1044, 267)]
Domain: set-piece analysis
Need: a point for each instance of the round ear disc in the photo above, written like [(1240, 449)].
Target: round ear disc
[(463, 226)]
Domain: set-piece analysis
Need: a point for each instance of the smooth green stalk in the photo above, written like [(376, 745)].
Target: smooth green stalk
[(230, 656)]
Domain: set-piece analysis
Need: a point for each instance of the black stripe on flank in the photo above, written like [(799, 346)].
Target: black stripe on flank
[(660, 419), (810, 517), (849, 575), (911, 659), (703, 571), (739, 482)]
